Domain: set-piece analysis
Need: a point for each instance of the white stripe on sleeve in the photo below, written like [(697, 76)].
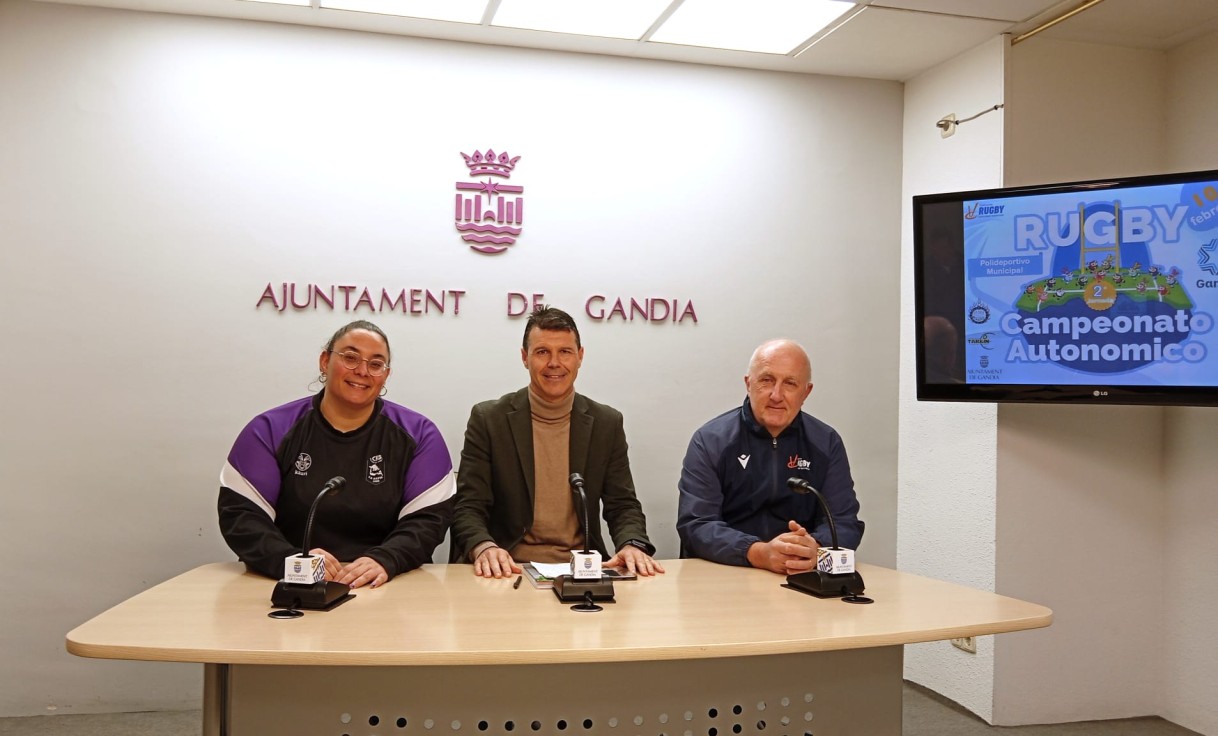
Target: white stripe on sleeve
[(231, 479), (440, 492)]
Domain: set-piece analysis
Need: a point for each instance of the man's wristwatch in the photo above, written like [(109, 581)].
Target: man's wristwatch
[(646, 548)]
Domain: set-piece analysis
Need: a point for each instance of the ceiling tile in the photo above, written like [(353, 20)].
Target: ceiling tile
[(1013, 11), (889, 39), (1138, 23), (895, 44)]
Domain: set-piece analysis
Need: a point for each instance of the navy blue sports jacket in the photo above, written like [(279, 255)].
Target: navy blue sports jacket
[(733, 487)]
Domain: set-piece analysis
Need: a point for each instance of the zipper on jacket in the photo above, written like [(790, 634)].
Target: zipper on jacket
[(775, 467)]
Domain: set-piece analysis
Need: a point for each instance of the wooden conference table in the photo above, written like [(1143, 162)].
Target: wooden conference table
[(705, 650)]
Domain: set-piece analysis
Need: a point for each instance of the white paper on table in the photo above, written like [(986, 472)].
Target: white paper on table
[(552, 569)]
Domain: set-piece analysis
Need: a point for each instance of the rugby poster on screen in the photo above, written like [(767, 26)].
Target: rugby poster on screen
[(1116, 287)]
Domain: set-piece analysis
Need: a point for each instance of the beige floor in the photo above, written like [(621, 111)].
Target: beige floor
[(928, 714)]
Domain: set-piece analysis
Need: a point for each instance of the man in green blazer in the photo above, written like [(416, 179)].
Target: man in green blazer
[(514, 502)]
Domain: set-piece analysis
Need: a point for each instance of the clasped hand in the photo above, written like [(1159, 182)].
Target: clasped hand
[(358, 573), (790, 552)]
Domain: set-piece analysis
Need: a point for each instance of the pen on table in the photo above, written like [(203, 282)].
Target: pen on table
[(516, 584)]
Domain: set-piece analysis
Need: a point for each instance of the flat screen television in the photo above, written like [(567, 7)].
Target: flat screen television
[(1101, 292)]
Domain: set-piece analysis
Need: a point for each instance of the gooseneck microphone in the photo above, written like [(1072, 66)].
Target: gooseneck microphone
[(799, 485), (577, 487), (585, 583), (331, 486), (304, 584), (834, 575)]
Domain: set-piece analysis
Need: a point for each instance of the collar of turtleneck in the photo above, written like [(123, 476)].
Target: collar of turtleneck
[(544, 410)]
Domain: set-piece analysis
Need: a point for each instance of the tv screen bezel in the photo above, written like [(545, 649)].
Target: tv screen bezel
[(1096, 393)]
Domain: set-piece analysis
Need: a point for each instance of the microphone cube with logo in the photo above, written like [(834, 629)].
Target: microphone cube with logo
[(835, 561), (304, 585), (304, 569), (586, 565)]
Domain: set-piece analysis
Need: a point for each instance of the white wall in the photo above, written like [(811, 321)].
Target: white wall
[(1074, 481), (946, 480), (1077, 510), (1083, 111), (156, 172), (1190, 647), (1190, 599), (1101, 513)]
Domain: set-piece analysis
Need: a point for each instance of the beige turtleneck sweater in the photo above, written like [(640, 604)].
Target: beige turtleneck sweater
[(556, 529)]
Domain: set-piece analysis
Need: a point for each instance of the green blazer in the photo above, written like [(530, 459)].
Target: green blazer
[(495, 481)]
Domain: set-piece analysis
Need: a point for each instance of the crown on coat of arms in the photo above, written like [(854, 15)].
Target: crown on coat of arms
[(484, 164)]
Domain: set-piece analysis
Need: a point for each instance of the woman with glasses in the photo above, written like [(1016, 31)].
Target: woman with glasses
[(397, 501)]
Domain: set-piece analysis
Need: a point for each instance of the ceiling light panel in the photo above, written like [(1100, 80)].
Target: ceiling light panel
[(607, 18), (283, 2), (457, 11), (764, 26)]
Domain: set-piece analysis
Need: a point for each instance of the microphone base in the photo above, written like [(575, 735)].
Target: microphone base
[(313, 597), (569, 589), (826, 585)]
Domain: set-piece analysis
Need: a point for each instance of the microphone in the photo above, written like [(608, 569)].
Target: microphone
[(834, 576), (577, 487), (331, 486), (304, 583), (801, 486), (586, 583)]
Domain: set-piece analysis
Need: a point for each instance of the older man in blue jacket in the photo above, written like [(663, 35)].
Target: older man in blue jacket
[(735, 507)]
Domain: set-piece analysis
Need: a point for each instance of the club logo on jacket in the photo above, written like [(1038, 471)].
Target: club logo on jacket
[(375, 474), (795, 462), (303, 463), (744, 461)]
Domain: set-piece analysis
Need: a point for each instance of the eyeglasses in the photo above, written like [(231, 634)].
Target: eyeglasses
[(376, 366)]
